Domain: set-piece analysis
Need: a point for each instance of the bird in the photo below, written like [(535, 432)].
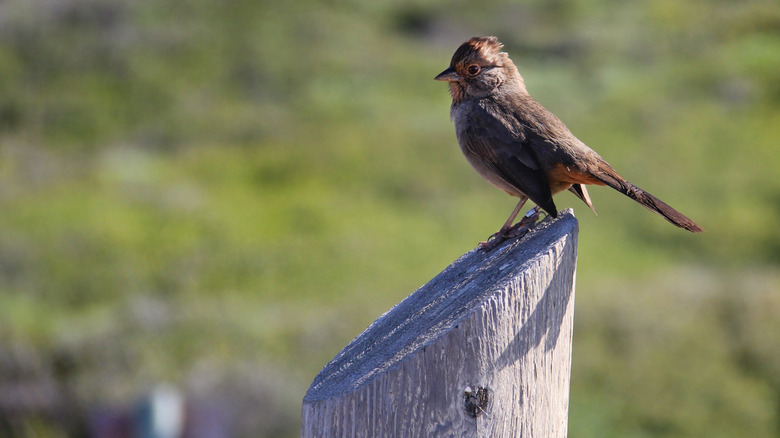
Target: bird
[(520, 147)]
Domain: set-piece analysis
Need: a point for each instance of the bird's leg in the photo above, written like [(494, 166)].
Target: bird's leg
[(525, 224), (519, 229), (507, 231), (508, 223)]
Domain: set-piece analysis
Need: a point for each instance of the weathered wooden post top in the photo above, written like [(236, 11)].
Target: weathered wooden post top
[(483, 349)]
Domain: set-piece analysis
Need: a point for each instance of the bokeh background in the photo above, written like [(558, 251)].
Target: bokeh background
[(212, 198)]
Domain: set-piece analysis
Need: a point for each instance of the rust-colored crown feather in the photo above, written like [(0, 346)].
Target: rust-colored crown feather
[(477, 47)]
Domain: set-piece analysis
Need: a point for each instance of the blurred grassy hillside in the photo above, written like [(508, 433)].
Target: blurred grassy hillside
[(220, 195)]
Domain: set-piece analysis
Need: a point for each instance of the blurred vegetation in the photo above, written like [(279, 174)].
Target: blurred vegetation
[(220, 195)]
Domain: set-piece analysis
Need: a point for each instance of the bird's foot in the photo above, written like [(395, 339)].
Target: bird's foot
[(495, 239), (517, 230)]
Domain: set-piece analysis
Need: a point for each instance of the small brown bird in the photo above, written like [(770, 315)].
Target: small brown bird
[(518, 146)]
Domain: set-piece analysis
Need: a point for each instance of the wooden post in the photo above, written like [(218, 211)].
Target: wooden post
[(482, 350)]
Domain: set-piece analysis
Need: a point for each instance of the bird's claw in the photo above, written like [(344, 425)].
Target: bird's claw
[(517, 230)]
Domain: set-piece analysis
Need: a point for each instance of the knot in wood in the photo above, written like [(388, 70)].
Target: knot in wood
[(476, 400)]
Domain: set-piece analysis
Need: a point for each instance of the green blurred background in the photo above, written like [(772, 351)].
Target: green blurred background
[(219, 196)]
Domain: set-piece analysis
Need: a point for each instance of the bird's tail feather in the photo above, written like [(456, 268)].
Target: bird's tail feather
[(612, 179), (581, 192)]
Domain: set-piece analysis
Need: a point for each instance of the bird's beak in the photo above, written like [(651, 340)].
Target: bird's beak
[(449, 75)]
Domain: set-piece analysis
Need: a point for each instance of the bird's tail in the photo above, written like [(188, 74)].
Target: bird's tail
[(581, 192), (608, 176)]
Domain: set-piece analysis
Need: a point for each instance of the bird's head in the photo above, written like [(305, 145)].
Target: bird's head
[(478, 68)]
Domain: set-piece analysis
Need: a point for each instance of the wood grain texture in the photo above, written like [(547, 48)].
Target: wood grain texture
[(500, 320)]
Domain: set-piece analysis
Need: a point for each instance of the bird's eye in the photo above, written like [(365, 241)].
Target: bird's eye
[(473, 69)]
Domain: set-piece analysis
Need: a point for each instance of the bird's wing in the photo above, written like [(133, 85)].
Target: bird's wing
[(509, 153)]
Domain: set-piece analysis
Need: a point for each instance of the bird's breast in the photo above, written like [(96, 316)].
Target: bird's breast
[(483, 166)]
